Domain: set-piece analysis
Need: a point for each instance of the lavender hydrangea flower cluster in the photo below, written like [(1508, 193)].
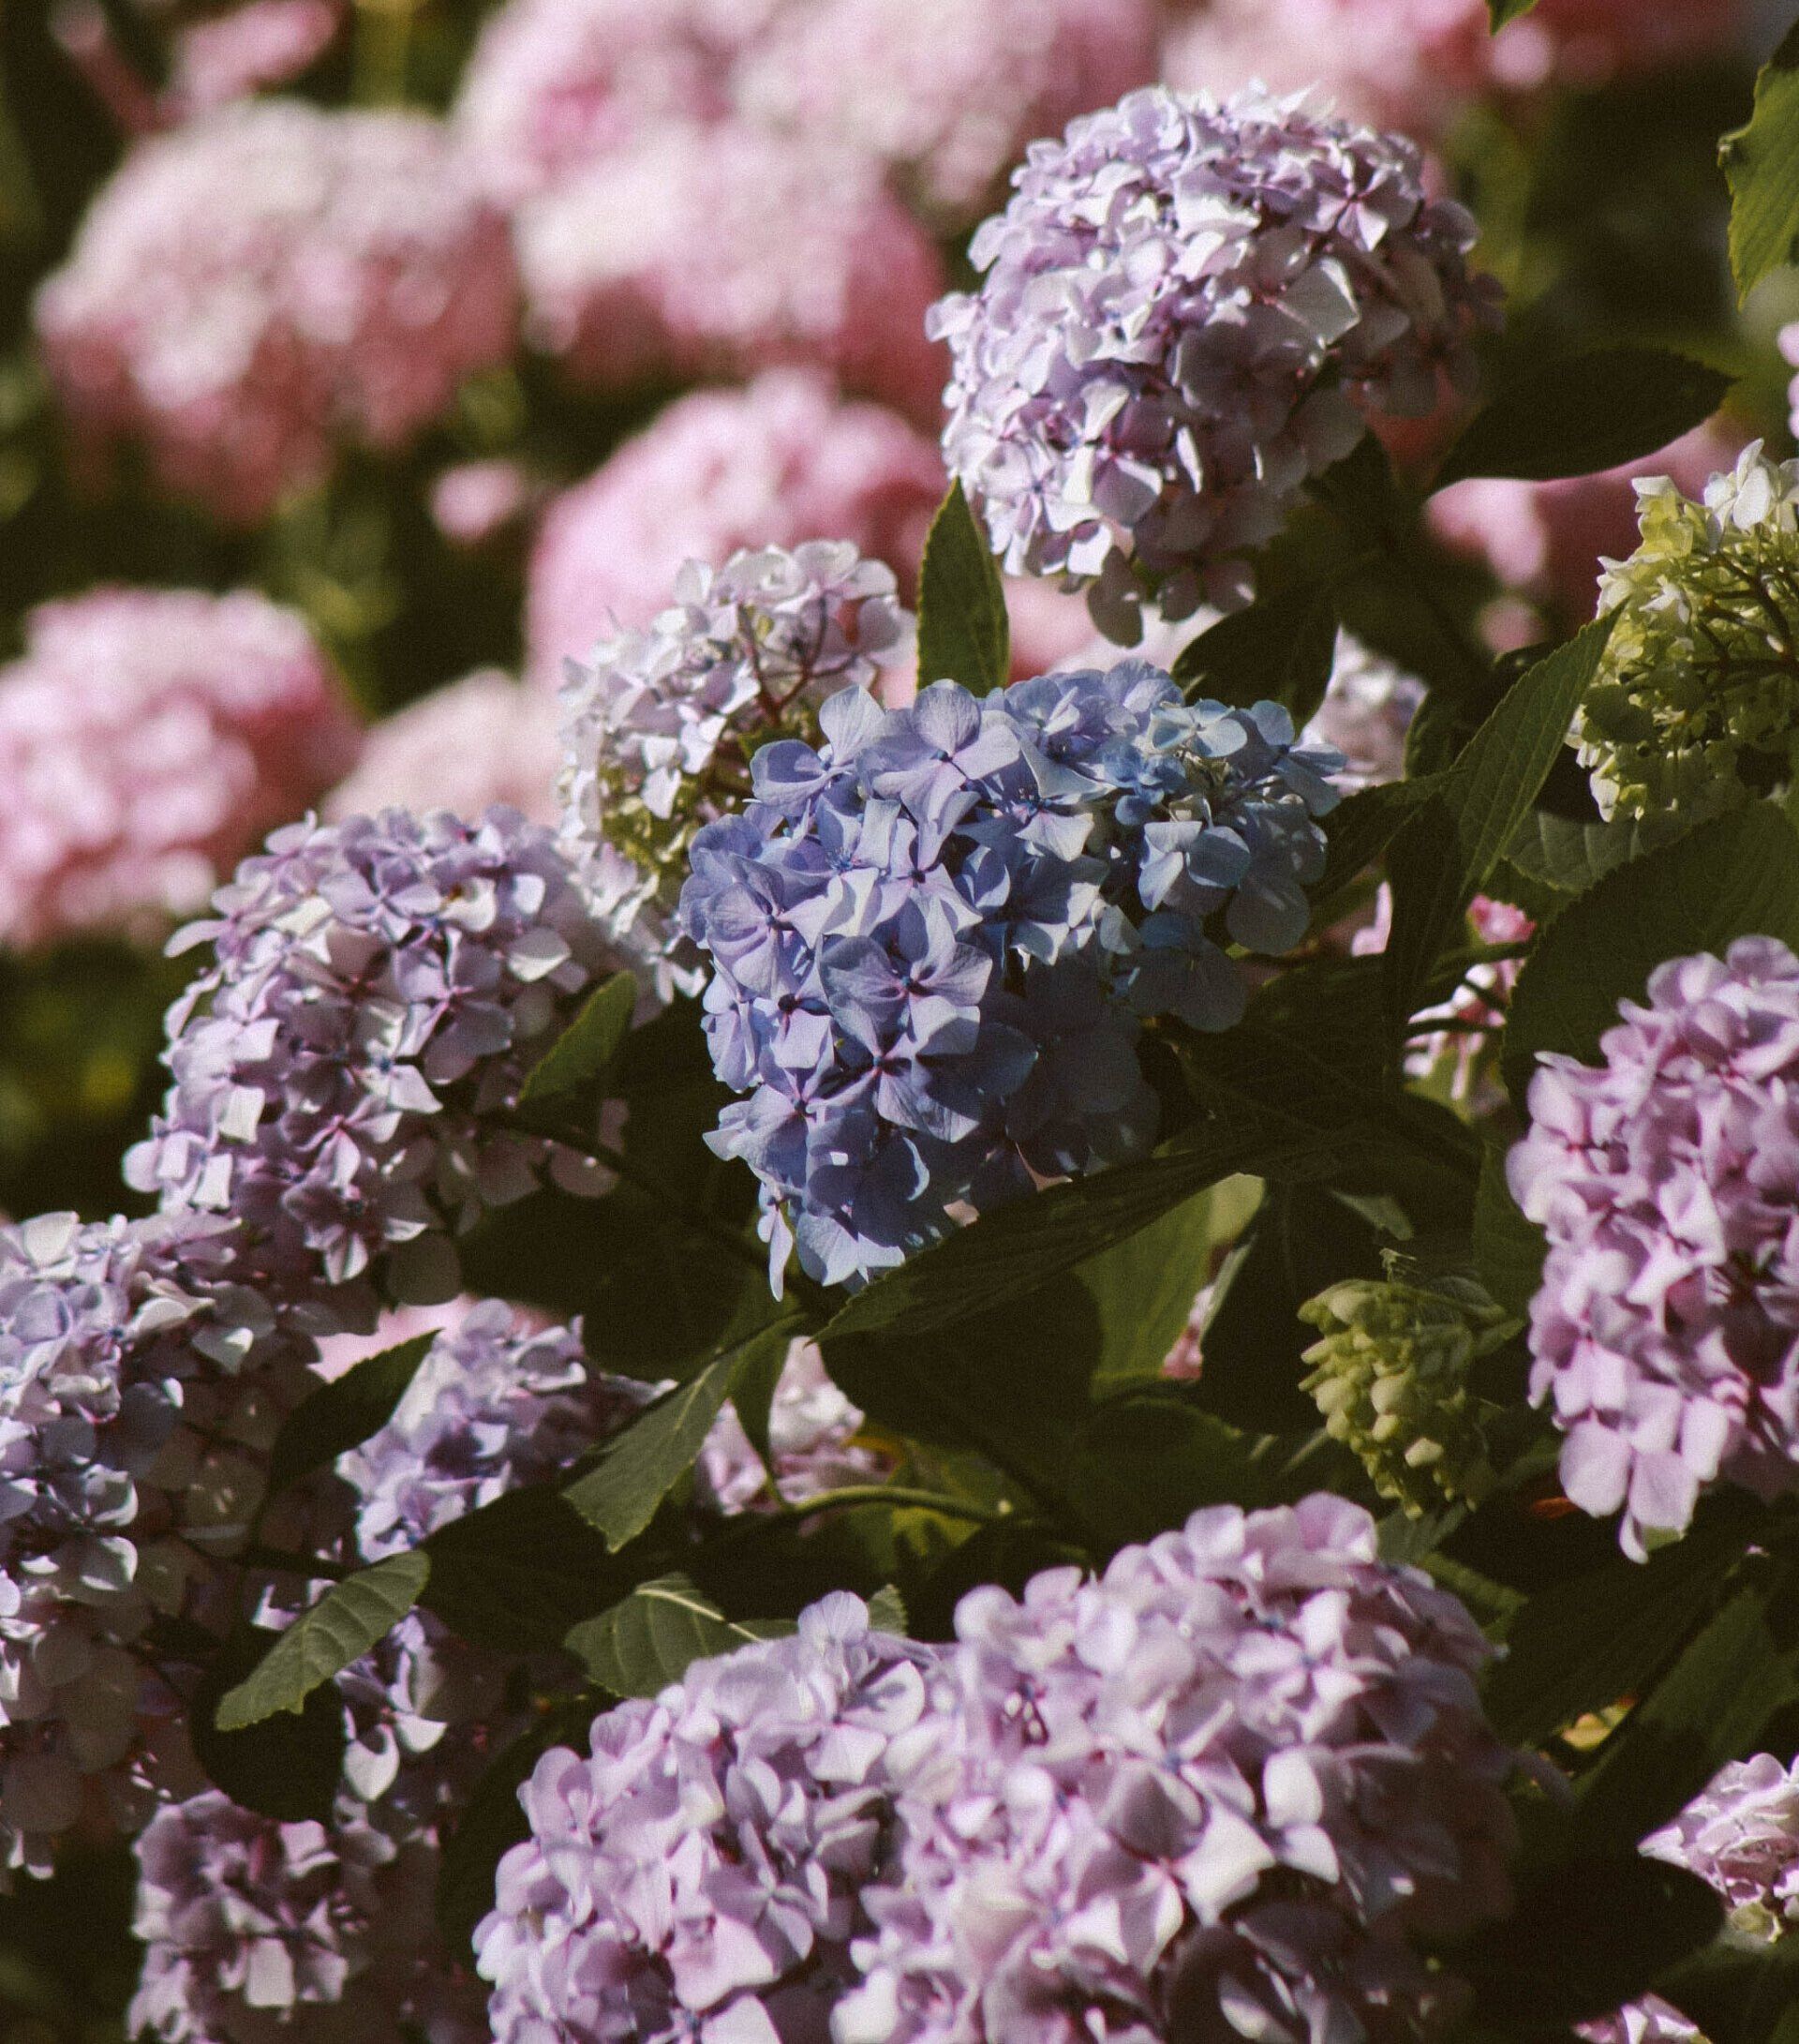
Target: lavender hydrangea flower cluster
[(326, 1930), (658, 725), (140, 1393), (1664, 1333), (934, 936), (1210, 1793), (694, 1875), (1190, 309), (376, 991)]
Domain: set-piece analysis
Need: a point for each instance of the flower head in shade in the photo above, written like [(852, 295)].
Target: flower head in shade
[(1391, 1377), (1666, 1334), (1189, 309), (1696, 703), (813, 1430), (695, 1875), (148, 740), (772, 465), (377, 991), (495, 1404), (140, 1390), (946, 94), (933, 937), (659, 725), (1211, 1793), (481, 741), (717, 251), (255, 288)]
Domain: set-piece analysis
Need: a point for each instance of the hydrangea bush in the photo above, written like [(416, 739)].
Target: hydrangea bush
[(828, 1317)]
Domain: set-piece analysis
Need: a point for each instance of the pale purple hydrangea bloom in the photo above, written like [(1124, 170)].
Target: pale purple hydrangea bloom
[(316, 1932), (1741, 1834), (140, 1390), (1189, 311), (932, 939), (148, 740), (1210, 1794), (268, 283), (1666, 1334), (378, 991), (658, 725), (694, 1876)]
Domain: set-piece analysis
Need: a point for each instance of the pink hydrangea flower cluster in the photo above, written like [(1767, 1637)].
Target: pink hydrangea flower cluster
[(248, 49), (772, 465), (695, 1875), (267, 283), (1418, 63), (140, 1390), (377, 991), (946, 94), (463, 747), (1666, 1334), (1189, 308), (721, 251), (148, 740), (1228, 1776)]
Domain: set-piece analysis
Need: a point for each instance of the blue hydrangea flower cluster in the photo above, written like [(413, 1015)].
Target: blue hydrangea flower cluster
[(692, 1878), (327, 1930), (140, 1395), (1189, 309), (378, 989), (935, 935)]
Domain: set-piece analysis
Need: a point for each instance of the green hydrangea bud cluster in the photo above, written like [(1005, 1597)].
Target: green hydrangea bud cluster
[(1697, 699), (1390, 1377)]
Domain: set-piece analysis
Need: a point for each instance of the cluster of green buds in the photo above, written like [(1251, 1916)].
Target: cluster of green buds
[(1391, 1379), (1696, 703)]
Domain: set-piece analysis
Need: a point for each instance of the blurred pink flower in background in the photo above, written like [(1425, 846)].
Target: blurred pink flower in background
[(556, 85), (718, 251), (944, 92), (784, 460), (149, 738), (1414, 64), (477, 741), (1544, 540), (253, 290), (1788, 339), (476, 501), (248, 49)]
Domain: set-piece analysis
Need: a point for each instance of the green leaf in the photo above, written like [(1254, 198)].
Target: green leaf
[(644, 1463), (887, 1612), (1585, 1936), (963, 632), (1143, 1290), (1584, 413), (1740, 1990), (1581, 1644), (1439, 859), (1735, 877), (752, 1394), (1502, 11), (1358, 830), (565, 1083), (649, 1640), (340, 1628), (1509, 1250), (286, 1767), (1761, 167), (1010, 1252), (1143, 1464), (1280, 650), (343, 1413), (1710, 1707), (1572, 855), (515, 1575)]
